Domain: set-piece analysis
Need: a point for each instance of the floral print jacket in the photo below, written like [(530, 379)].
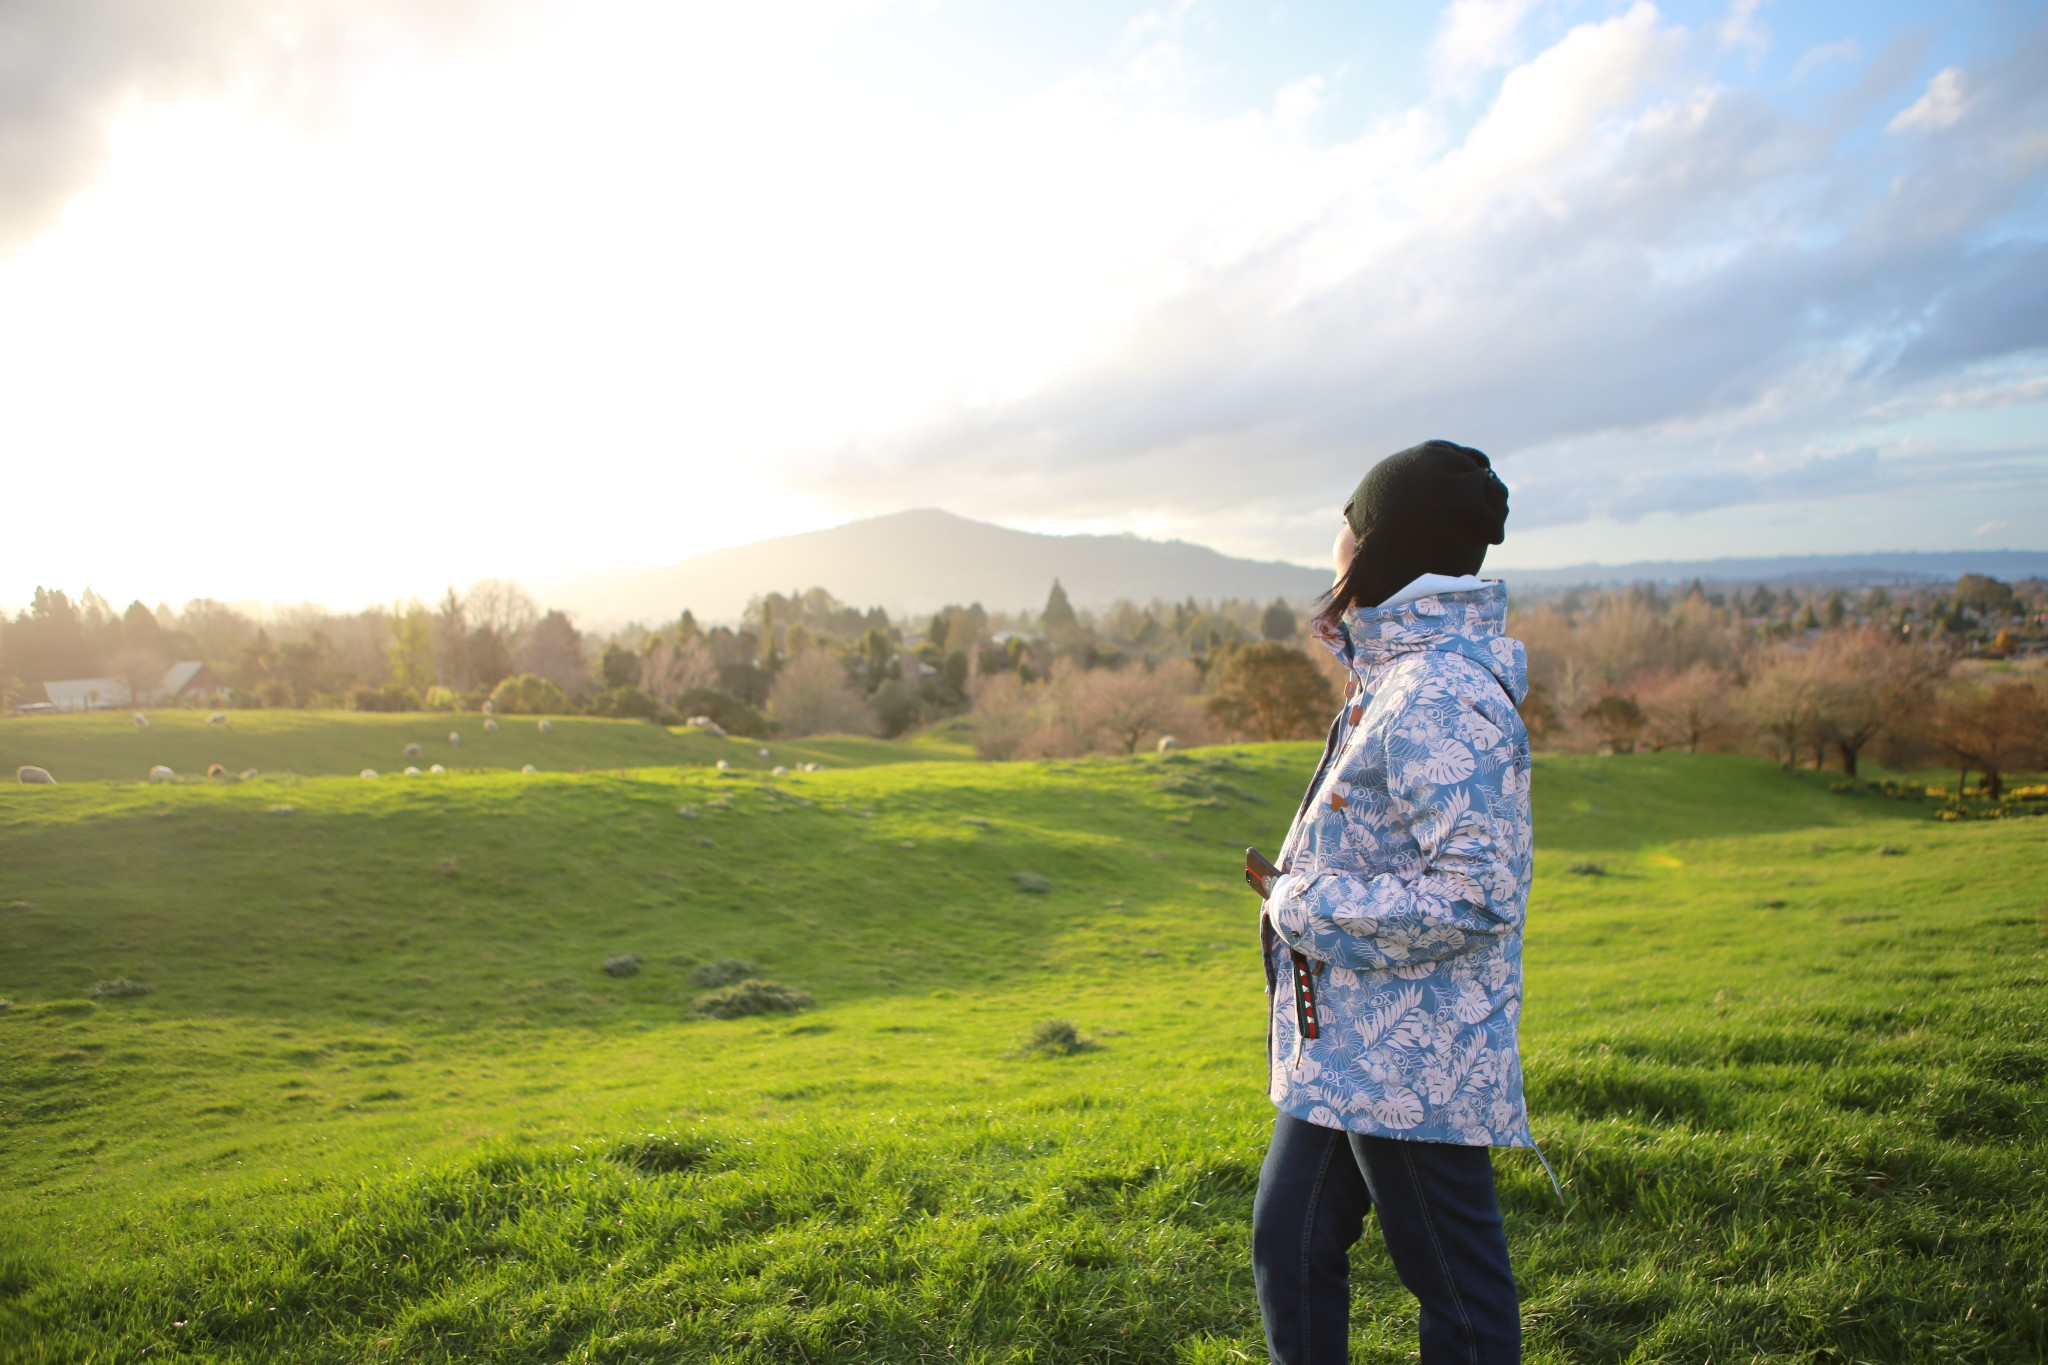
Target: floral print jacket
[(1406, 879)]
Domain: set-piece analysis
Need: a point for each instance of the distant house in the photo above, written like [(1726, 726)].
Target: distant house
[(188, 683)]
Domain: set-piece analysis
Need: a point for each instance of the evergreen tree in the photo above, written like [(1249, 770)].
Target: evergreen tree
[(1278, 623), (1058, 619)]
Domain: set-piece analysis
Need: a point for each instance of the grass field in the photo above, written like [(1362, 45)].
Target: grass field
[(1785, 1048), (107, 747)]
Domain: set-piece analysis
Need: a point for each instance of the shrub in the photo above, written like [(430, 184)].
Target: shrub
[(751, 997), (1058, 1038), (726, 711), (529, 694), (723, 972), (440, 698), (622, 964), (390, 697), (625, 703)]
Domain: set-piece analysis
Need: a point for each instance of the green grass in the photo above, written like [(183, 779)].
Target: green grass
[(382, 1103), (106, 747)]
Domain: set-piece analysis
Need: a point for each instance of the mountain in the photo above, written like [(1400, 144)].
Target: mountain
[(918, 561), (1890, 568)]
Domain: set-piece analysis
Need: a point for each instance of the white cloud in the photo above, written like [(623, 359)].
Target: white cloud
[(1940, 106), (1475, 37), (1847, 50)]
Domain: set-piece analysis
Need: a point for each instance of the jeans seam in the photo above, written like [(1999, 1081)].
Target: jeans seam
[(1443, 1263), (1308, 1226)]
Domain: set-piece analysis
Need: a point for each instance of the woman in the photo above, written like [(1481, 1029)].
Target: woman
[(1396, 923)]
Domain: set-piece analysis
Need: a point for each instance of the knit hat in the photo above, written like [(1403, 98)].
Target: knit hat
[(1432, 508)]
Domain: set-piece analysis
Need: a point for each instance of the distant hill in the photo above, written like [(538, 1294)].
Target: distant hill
[(1887, 568), (918, 561), (921, 560)]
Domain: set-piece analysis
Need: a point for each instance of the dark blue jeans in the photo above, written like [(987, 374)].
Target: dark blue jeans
[(1442, 1227)]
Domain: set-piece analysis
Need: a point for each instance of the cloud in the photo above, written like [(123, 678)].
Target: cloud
[(1475, 37), (67, 67), (1941, 106), (1626, 260)]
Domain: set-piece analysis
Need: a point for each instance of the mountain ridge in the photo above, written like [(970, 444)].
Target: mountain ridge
[(921, 559)]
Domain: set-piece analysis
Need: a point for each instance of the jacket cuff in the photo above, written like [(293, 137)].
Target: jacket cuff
[(1284, 908)]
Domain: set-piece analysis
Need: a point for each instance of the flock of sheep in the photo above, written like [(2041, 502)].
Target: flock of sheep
[(29, 775)]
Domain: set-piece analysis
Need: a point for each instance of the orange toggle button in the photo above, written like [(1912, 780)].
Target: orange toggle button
[(1337, 801)]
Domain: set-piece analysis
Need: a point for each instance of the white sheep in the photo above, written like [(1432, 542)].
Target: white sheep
[(723, 765), (490, 727), (764, 753), (369, 772), (412, 751), (411, 771), (30, 776), (141, 721), (1167, 744), (248, 773), (437, 770), (529, 768), (217, 718), (488, 708), (161, 774), (546, 726), (780, 771), (454, 738)]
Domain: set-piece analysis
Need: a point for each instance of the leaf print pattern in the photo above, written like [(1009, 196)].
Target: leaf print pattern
[(1412, 885)]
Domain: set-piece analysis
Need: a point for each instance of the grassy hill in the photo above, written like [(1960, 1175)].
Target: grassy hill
[(107, 747), (1785, 1047)]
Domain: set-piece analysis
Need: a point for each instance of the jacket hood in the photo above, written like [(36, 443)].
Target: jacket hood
[(1472, 623)]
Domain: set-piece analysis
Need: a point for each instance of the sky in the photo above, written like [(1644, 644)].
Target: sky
[(351, 300)]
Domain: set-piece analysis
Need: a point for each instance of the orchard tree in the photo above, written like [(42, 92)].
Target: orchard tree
[(1994, 728), (1864, 683), (1271, 691)]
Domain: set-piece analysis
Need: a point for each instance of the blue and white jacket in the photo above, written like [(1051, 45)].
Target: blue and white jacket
[(1406, 881)]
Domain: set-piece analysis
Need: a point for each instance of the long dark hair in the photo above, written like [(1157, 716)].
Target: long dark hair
[(1362, 584)]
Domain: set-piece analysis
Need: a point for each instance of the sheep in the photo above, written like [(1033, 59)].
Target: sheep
[(216, 770), (490, 727), (723, 765), (141, 721), (764, 753), (714, 729), (217, 718), (1167, 744), (248, 773), (369, 772), (455, 738), (411, 771), (30, 776), (779, 771), (161, 774), (546, 726), (488, 708), (437, 770), (529, 768), (411, 751)]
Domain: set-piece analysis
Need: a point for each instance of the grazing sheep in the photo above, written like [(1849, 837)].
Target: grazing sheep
[(248, 773), (780, 771), (546, 726), (437, 770), (488, 708), (723, 765), (30, 776), (454, 738), (141, 721), (411, 771), (529, 768), (216, 770), (763, 753), (1167, 744), (412, 751), (714, 729), (217, 718), (369, 772), (490, 727), (161, 774)]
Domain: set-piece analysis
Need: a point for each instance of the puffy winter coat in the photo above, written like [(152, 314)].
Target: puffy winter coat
[(1407, 877)]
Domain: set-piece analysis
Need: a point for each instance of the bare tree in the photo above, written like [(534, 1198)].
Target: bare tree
[(1783, 703), (1995, 728), (554, 650), (1865, 682), (1689, 710), (500, 606), (812, 695), (1116, 708), (1272, 691), (669, 667)]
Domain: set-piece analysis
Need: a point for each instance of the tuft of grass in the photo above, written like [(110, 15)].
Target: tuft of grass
[(622, 964), (751, 997), (1058, 1038), (1586, 869), (664, 1153), (119, 988), (1031, 882), (722, 971)]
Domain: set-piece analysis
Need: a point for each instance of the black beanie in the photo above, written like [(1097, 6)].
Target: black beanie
[(1432, 508)]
